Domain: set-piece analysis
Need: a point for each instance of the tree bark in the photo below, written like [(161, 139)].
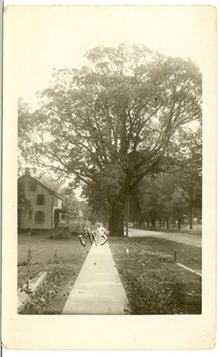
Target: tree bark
[(179, 224), (168, 226), (116, 220), (191, 218), (127, 216), (153, 223)]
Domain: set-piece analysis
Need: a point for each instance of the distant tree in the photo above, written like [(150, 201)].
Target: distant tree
[(161, 199), (112, 123), (178, 192), (70, 203), (190, 177), (25, 120), (155, 195)]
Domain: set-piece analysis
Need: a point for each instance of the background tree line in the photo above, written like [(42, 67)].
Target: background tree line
[(175, 196)]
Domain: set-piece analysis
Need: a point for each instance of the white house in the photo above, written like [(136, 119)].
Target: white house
[(44, 209)]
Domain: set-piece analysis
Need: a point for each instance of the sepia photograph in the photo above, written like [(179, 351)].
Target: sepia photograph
[(109, 160), (110, 186)]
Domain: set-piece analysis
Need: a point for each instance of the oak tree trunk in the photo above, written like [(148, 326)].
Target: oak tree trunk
[(116, 219)]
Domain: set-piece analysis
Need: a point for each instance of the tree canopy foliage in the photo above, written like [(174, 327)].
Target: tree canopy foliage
[(115, 121)]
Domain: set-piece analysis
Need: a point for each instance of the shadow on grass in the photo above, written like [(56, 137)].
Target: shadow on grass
[(153, 282)]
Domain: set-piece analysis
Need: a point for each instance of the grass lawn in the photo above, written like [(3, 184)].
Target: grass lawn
[(153, 282), (62, 259)]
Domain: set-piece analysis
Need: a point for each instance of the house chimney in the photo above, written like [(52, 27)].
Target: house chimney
[(27, 171)]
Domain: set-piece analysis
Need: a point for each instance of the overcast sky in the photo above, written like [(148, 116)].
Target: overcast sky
[(48, 38)]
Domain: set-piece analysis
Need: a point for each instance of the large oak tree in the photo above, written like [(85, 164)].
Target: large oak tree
[(114, 121)]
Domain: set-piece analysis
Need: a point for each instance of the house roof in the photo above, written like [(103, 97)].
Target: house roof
[(40, 183)]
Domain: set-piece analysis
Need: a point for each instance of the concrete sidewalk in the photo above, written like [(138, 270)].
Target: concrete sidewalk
[(98, 288)]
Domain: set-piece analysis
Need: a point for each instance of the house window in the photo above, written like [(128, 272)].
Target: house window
[(32, 186), (40, 200), (39, 217)]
